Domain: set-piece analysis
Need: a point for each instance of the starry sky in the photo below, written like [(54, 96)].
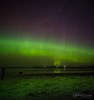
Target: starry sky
[(63, 21)]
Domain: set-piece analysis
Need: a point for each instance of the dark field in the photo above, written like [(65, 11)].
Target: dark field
[(23, 86)]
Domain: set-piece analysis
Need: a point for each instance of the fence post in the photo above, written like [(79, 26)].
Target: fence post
[(2, 73)]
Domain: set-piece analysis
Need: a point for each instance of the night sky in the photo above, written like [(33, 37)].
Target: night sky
[(67, 22)]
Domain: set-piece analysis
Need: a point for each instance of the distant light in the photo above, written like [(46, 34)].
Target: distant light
[(64, 68), (57, 63)]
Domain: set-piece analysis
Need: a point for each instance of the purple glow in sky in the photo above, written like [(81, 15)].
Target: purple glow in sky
[(63, 20)]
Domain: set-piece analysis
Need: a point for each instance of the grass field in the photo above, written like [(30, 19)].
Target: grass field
[(47, 87)]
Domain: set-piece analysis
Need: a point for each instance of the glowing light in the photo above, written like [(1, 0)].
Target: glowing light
[(57, 53)]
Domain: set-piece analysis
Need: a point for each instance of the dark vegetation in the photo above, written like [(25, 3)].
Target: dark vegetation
[(23, 84)]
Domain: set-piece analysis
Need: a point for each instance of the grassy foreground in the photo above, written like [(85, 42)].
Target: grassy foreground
[(47, 88)]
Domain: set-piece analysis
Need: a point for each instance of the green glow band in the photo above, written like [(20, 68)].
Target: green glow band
[(58, 52)]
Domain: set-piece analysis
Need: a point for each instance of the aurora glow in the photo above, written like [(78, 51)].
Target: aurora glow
[(59, 52), (46, 32)]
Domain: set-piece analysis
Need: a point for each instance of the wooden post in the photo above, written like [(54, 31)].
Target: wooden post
[(2, 73)]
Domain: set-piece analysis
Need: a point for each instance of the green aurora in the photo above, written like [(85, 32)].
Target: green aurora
[(28, 52)]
